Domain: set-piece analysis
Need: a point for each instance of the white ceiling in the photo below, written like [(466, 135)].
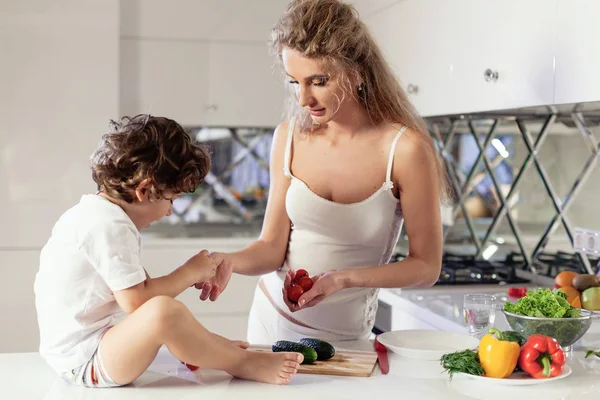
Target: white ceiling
[(227, 20)]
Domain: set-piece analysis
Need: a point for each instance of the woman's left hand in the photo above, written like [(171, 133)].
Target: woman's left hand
[(325, 284), (215, 286)]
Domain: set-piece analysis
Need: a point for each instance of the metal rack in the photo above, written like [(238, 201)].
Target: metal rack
[(533, 125), (444, 129), (215, 183)]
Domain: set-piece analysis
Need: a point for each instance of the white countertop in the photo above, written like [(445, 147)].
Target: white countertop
[(26, 376), (442, 305)]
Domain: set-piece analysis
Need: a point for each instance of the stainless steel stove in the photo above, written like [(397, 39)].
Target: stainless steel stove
[(459, 269)]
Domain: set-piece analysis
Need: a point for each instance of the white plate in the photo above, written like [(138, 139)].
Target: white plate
[(426, 344), (516, 379)]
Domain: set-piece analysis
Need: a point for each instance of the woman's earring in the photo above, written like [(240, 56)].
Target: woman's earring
[(361, 91)]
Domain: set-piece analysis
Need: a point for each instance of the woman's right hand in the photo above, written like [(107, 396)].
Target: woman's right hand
[(212, 288)]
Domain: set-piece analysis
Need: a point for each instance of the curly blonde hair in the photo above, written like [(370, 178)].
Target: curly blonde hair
[(330, 31), (145, 147)]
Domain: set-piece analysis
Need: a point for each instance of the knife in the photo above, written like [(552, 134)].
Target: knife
[(382, 356)]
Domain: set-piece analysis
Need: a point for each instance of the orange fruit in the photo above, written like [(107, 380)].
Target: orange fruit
[(577, 302), (571, 293), (565, 278)]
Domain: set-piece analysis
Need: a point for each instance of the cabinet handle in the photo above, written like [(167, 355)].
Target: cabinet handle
[(211, 108), (490, 76), (412, 88)]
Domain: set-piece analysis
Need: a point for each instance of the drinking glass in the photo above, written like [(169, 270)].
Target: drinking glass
[(479, 311)]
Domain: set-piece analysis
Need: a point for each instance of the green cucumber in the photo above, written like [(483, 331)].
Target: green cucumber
[(324, 350), (310, 355)]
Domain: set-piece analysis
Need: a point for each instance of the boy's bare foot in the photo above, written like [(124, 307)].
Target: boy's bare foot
[(237, 343), (276, 368)]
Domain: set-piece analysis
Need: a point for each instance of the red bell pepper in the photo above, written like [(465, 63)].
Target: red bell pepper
[(542, 357), (517, 292), (190, 366)]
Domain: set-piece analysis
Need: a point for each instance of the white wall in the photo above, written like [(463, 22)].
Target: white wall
[(59, 83)]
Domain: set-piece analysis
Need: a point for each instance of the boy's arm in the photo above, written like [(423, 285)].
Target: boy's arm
[(199, 267)]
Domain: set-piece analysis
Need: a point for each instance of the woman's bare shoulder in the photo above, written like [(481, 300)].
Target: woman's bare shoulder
[(282, 128), (280, 135), (409, 139), (413, 150)]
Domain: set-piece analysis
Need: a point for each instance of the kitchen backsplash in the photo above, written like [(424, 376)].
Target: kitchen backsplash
[(563, 156), (233, 198)]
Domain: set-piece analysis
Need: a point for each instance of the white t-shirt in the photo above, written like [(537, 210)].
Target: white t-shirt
[(94, 250)]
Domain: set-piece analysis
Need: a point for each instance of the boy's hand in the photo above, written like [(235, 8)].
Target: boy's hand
[(214, 287), (202, 266)]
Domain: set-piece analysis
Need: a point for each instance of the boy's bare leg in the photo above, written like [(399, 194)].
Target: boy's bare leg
[(130, 347), (238, 343)]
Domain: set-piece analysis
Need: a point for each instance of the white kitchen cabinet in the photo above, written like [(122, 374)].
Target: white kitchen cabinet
[(165, 78), (413, 36), (245, 88), (577, 52), (235, 301), (228, 316), (511, 38), (225, 20), (201, 83), (441, 50), (202, 63)]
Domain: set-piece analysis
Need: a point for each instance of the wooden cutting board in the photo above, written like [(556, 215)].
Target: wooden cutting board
[(344, 363)]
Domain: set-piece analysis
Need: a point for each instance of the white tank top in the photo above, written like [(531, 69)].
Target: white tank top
[(326, 235)]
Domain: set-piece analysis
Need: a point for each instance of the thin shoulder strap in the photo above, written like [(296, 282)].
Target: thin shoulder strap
[(288, 149), (392, 151)]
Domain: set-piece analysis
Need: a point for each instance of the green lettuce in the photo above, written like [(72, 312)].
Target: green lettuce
[(544, 303)]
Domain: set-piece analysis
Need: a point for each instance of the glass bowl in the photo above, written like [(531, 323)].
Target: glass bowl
[(566, 331)]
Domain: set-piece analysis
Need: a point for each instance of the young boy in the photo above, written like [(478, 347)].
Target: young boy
[(102, 319)]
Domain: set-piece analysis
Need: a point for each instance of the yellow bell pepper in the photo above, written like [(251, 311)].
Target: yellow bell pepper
[(498, 357)]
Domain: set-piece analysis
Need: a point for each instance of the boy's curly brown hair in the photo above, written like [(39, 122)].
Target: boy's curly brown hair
[(144, 147)]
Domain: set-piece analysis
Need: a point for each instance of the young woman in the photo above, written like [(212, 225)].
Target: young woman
[(351, 164)]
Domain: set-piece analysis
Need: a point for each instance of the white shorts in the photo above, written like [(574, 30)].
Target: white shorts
[(91, 374)]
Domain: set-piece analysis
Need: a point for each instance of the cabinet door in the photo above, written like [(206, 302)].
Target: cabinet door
[(165, 78), (413, 36), (511, 38), (20, 331), (245, 88), (578, 52), (235, 300)]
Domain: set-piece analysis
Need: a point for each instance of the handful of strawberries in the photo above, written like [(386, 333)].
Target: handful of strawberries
[(300, 284)]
